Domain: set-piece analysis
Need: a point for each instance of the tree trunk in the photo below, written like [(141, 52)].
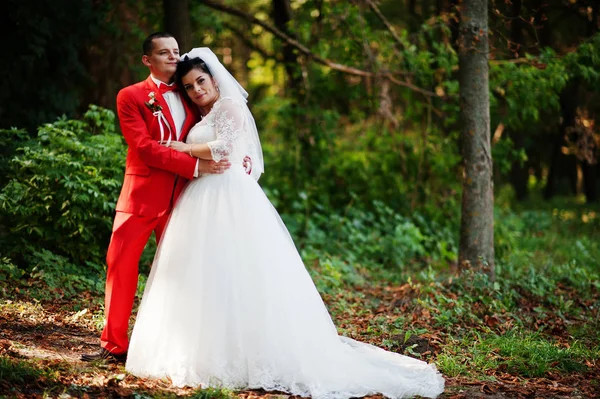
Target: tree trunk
[(541, 23), (589, 171), (412, 8), (453, 9), (439, 7), (562, 174), (304, 136), (413, 20), (177, 22), (519, 175), (516, 27), (594, 23), (282, 15), (561, 165), (477, 214), (590, 177)]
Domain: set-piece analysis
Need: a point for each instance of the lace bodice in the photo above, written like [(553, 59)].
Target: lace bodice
[(224, 130)]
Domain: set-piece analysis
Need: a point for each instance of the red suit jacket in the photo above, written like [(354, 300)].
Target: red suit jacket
[(154, 174)]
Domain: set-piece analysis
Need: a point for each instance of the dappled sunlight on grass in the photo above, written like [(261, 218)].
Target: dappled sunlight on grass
[(527, 354)]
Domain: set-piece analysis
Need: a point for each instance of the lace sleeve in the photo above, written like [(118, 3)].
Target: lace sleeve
[(229, 121)]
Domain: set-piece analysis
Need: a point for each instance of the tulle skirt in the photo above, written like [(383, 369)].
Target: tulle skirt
[(229, 303)]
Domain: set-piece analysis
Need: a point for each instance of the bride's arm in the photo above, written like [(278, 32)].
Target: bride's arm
[(201, 151), (229, 121)]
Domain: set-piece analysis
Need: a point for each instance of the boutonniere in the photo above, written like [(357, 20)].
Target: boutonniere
[(152, 104), (162, 120)]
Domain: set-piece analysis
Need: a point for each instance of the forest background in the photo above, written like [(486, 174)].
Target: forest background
[(358, 105)]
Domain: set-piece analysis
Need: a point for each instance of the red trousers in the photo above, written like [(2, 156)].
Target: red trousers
[(129, 237)]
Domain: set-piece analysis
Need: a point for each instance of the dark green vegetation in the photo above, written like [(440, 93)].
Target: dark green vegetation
[(365, 169)]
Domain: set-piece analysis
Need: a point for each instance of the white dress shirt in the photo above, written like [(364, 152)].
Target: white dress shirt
[(175, 104)]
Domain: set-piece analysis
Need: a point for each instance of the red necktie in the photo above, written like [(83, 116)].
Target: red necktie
[(164, 88)]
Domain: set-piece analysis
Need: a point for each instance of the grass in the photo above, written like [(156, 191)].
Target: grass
[(213, 393), (519, 352), (207, 393), (20, 372), (532, 355)]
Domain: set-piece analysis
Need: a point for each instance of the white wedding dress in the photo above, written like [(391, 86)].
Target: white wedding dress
[(229, 303)]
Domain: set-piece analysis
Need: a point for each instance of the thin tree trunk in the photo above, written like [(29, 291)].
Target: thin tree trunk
[(413, 21), (439, 7), (477, 215), (564, 165), (590, 171), (282, 15), (519, 173), (542, 30), (412, 8), (590, 177), (516, 27), (177, 22), (453, 9), (594, 24), (303, 137)]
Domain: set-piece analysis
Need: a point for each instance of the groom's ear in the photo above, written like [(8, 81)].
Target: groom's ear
[(146, 60)]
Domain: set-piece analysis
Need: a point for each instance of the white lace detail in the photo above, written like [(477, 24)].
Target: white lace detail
[(229, 126)]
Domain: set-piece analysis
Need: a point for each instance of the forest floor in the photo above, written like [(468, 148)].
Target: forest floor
[(41, 341)]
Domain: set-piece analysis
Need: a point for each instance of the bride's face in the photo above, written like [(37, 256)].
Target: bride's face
[(201, 88)]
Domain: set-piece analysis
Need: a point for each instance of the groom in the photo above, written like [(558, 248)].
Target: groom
[(150, 113)]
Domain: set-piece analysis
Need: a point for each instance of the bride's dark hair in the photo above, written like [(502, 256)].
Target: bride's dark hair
[(184, 66)]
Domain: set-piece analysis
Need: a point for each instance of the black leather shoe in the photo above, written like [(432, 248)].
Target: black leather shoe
[(105, 356)]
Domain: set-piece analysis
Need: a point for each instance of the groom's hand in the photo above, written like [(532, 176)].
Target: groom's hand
[(212, 167)]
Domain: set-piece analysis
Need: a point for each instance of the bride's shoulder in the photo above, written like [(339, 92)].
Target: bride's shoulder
[(226, 103)]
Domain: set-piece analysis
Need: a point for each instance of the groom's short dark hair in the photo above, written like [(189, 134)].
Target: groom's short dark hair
[(147, 46)]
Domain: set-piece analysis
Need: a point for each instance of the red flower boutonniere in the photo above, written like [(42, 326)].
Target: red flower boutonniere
[(152, 104)]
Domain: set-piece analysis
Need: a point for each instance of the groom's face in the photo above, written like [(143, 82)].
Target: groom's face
[(162, 61)]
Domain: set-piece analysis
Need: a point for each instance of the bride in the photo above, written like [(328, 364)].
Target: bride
[(228, 302)]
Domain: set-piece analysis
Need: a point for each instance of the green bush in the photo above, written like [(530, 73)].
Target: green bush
[(9, 273), (339, 244), (60, 194)]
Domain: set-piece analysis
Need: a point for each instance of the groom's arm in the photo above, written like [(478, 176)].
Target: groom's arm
[(138, 138)]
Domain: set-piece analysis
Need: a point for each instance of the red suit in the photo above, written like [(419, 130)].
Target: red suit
[(154, 178)]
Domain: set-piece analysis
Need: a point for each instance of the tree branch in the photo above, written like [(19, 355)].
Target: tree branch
[(299, 46), (249, 43), (383, 19), (410, 86), (306, 51)]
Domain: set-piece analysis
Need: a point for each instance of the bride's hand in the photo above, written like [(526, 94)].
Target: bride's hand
[(179, 146), (247, 164)]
